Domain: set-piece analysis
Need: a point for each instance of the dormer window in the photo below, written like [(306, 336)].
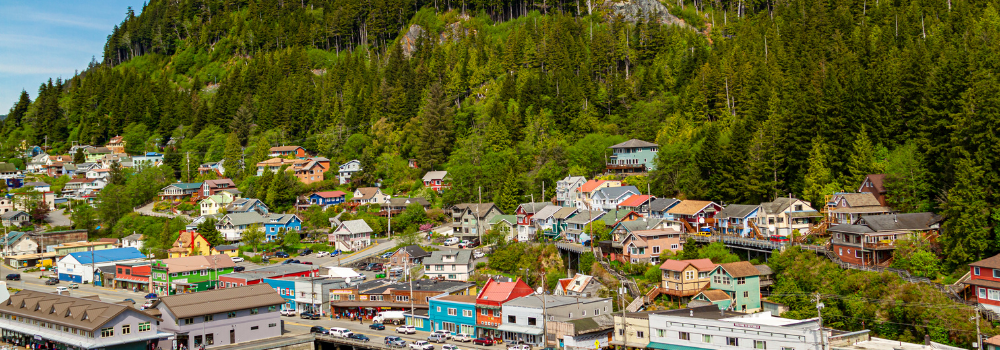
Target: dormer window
[(52, 310)]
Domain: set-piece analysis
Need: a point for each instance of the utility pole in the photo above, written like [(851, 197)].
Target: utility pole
[(479, 226), (188, 165), (979, 336), (819, 311)]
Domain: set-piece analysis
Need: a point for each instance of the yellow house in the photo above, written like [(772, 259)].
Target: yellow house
[(190, 243), (632, 332), (685, 278), (228, 249)]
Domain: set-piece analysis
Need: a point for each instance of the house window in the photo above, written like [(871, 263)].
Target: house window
[(982, 293), (996, 273), (685, 335), (689, 275), (660, 333), (976, 271), (732, 341), (107, 332), (254, 328), (673, 246), (208, 318), (706, 338), (746, 294), (189, 320), (452, 311), (467, 313), (232, 314), (638, 334), (759, 344), (496, 313), (532, 321), (126, 329), (484, 312), (993, 294), (857, 253), (144, 327), (656, 250), (438, 309), (511, 319), (741, 280), (254, 311)]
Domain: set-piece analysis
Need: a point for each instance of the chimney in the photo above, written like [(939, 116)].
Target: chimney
[(894, 219)]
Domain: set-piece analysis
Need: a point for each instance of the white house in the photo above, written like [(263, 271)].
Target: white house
[(609, 198), (15, 218), (567, 189), (350, 235), (347, 170), (39, 186), (368, 195), (79, 267), (709, 328), (101, 173), (132, 241), (232, 225), (18, 243), (452, 265)]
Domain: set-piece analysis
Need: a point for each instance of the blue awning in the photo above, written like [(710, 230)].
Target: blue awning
[(662, 346)]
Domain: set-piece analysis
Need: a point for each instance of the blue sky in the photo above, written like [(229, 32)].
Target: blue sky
[(40, 39)]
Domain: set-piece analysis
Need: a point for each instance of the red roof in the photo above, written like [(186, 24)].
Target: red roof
[(81, 180), (500, 292), (590, 185), (635, 200), (704, 265), (565, 283), (330, 194)]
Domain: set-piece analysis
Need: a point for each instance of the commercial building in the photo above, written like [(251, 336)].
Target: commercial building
[(305, 294), (189, 274), (255, 276), (222, 316), (489, 304), (524, 318), (80, 267), (452, 265), (453, 313)]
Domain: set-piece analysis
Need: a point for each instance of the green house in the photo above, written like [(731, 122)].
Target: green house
[(741, 281), (189, 274), (717, 297)]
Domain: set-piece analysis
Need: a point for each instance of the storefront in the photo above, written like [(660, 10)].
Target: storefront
[(34, 341)]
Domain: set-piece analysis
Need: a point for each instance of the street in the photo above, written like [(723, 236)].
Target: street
[(295, 325)]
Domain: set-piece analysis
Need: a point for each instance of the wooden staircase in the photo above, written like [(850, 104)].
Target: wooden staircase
[(755, 230), (690, 229)]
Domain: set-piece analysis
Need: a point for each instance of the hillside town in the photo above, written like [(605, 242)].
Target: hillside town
[(627, 273)]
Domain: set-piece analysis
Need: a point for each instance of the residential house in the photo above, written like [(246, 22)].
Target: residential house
[(645, 246), (108, 160), (584, 333), (351, 235), (579, 285), (559, 225), (57, 321), (326, 199), (305, 294), (715, 297), (116, 144), (632, 156), (147, 160), (133, 240), (741, 281), (80, 267), (190, 243), (637, 203), (739, 220), (524, 213), (875, 184), (452, 265), (489, 304), (398, 204), (368, 195), (98, 173), (685, 278), (586, 192), (90, 189), (196, 273), (132, 275), (18, 243), (221, 317), (471, 219), (6, 204), (257, 275), (453, 313), (408, 256), (993, 343), (505, 224), (346, 170), (609, 198), (312, 171), (74, 186), (383, 295), (872, 238), (180, 191), (696, 216), (11, 175), (213, 204), (288, 151), (566, 190), (229, 249), (631, 330), (436, 180), (984, 278), (218, 168), (576, 225), (846, 208), (614, 218), (213, 187), (277, 224), (524, 317), (622, 228), (784, 215), (39, 186), (247, 205), (15, 218), (232, 225)]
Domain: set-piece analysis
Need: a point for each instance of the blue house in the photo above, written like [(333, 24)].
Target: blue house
[(658, 207), (633, 156), (80, 266), (277, 223), (738, 219), (327, 198), (419, 320), (286, 289), (453, 313)]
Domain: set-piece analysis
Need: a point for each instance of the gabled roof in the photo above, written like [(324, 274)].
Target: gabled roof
[(186, 185), (285, 148), (36, 184), (237, 219), (585, 217), (366, 193), (502, 291), (877, 181), (406, 201), (219, 182), (992, 262), (778, 205), (564, 213), (414, 251), (12, 214), (591, 185), (714, 295), (66, 310), (703, 265), (100, 256), (764, 270), (740, 269), (479, 210), (196, 262), (531, 208), (592, 324), (330, 194), (578, 283), (689, 207), (634, 143), (635, 201), (282, 219), (901, 222), (462, 257), (736, 211), (851, 229), (546, 212), (863, 199), (510, 219), (356, 226), (641, 224), (221, 300), (614, 216), (616, 192), (435, 175)]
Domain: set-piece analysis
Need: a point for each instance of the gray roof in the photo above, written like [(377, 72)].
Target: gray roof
[(36, 184), (533, 207), (585, 217), (479, 210), (546, 212), (271, 271), (616, 192), (564, 213), (220, 300), (12, 214), (764, 270), (435, 175), (434, 285), (243, 204), (641, 224), (282, 218), (778, 205), (245, 218), (437, 257), (226, 247), (535, 301), (406, 201), (662, 204), (592, 324), (415, 251), (356, 226), (851, 229), (67, 310), (863, 199), (736, 211), (634, 143), (901, 222)]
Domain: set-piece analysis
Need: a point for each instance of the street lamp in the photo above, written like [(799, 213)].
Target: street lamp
[(389, 206)]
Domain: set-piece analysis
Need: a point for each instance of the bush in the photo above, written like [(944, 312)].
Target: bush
[(480, 265), (652, 274), (185, 207)]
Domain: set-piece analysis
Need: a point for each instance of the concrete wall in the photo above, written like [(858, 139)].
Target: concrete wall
[(268, 324)]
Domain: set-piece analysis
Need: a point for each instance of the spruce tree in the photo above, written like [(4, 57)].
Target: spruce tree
[(966, 235), (819, 180), (233, 158), (435, 129), (862, 161)]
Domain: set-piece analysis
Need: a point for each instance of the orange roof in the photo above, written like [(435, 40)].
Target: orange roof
[(500, 292), (635, 200), (565, 283), (704, 265), (590, 185)]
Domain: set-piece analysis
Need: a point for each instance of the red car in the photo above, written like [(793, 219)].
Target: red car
[(483, 341)]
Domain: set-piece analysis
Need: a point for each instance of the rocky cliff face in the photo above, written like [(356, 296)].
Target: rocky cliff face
[(639, 10)]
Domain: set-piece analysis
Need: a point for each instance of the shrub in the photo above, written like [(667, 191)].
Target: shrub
[(480, 265)]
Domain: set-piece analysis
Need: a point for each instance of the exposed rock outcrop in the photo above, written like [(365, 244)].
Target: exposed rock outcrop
[(409, 41), (639, 10)]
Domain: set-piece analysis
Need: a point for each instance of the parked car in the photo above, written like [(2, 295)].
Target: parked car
[(335, 253), (377, 326), (319, 330), (449, 347), (421, 345), (61, 289), (446, 334), (129, 300), (462, 337), (238, 259), (386, 255), (281, 255), (13, 277), (148, 304), (239, 268), (340, 332), (287, 312), (305, 252), (406, 329), (291, 261), (376, 268), (322, 254), (518, 346), (395, 342), (483, 341), (463, 243), (52, 281), (477, 254), (306, 263), (309, 316), (437, 338), (358, 336), (151, 296), (451, 241), (74, 286)]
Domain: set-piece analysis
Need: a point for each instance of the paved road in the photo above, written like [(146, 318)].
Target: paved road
[(358, 256), (147, 210), (295, 325), (58, 217)]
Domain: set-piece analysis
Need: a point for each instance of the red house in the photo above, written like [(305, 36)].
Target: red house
[(132, 275), (696, 215), (491, 299), (211, 187), (874, 184), (255, 276), (985, 280), (283, 151), (435, 180)]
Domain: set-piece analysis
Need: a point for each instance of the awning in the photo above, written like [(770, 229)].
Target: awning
[(805, 214), (520, 329), (662, 346)]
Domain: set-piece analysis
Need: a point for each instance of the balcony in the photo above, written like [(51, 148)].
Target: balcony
[(886, 244)]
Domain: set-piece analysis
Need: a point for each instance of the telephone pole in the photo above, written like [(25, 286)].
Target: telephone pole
[(819, 311)]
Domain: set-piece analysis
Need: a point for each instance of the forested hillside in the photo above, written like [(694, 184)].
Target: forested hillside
[(748, 100)]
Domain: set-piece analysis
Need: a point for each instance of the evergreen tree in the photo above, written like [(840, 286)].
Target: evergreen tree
[(863, 160), (210, 233), (261, 152), (263, 185), (819, 180), (966, 236), (509, 195), (435, 129), (907, 180), (233, 160), (17, 113)]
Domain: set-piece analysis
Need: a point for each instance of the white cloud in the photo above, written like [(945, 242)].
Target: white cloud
[(23, 69)]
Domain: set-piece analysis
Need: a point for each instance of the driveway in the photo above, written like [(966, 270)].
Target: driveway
[(58, 218), (147, 210)]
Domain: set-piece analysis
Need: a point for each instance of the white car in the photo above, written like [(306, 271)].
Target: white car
[(322, 254), (446, 334), (421, 345), (478, 254), (449, 347), (462, 337), (288, 312), (406, 329), (451, 241), (464, 243), (61, 289), (237, 259)]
